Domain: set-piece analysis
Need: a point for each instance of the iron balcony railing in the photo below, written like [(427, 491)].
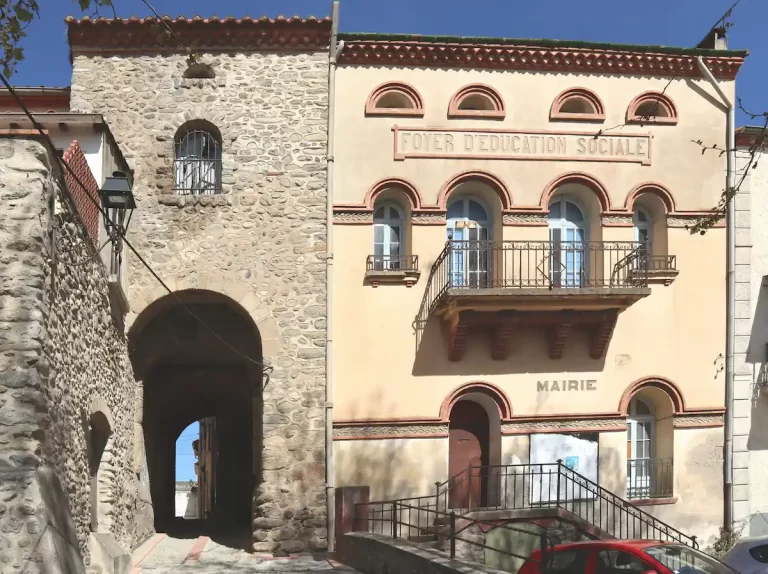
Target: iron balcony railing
[(392, 263), (572, 265), (650, 478)]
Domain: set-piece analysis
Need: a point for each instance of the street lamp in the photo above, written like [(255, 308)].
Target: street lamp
[(118, 202)]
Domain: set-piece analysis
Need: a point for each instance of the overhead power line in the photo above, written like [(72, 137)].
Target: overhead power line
[(65, 166)]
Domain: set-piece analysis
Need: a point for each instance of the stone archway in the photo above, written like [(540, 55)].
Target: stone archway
[(201, 358)]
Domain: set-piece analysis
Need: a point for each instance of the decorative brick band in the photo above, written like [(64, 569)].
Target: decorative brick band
[(390, 430), (573, 425), (421, 218), (699, 420), (353, 217), (529, 219), (617, 220), (137, 35), (689, 220), (415, 51)]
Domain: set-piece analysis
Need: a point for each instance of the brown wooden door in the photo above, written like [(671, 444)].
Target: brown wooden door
[(468, 445)]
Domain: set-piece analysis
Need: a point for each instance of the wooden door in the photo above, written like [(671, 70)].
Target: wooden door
[(468, 446)]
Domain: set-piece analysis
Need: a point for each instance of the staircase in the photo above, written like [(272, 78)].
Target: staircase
[(481, 498)]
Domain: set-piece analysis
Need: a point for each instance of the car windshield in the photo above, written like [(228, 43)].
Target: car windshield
[(684, 560)]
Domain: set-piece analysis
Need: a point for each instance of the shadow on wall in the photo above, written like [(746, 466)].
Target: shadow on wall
[(384, 465), (528, 353), (757, 354)]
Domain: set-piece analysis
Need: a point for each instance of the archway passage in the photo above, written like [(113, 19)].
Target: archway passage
[(99, 434), (189, 375), (468, 446)]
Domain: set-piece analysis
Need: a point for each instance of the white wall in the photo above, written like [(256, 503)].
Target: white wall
[(91, 142), (751, 400)]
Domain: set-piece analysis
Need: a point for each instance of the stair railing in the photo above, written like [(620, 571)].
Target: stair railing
[(552, 485)]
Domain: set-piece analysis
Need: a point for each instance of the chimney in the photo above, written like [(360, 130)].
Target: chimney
[(716, 39)]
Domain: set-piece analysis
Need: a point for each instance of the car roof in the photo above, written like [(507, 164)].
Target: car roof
[(639, 544)]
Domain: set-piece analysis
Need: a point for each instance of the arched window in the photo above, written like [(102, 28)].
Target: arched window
[(568, 243), (388, 236), (641, 431), (469, 231), (476, 101), (577, 104), (652, 108), (395, 99), (197, 165)]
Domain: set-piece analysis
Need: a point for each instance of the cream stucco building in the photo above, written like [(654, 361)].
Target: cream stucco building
[(514, 280)]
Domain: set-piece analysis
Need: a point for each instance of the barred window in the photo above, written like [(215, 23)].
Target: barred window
[(197, 164)]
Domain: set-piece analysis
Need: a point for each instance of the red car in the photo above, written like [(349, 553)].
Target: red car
[(626, 557)]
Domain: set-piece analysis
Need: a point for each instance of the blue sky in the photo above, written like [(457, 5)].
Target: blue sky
[(185, 458), (658, 22)]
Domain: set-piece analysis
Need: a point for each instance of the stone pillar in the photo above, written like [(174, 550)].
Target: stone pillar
[(742, 392), (347, 520)]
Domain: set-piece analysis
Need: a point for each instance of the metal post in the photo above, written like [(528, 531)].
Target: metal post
[(469, 488), (394, 519), (437, 496), (453, 534), (559, 461)]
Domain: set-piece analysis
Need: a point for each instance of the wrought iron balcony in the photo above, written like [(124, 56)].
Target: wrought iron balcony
[(649, 478), (392, 269), (533, 279)]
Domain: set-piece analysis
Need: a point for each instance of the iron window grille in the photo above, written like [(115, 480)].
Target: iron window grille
[(197, 167)]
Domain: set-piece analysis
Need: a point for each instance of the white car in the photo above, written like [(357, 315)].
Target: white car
[(749, 555)]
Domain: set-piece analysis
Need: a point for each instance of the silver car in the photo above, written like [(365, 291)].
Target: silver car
[(749, 555)]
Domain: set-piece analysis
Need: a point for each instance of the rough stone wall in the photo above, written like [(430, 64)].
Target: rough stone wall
[(61, 355), (261, 242)]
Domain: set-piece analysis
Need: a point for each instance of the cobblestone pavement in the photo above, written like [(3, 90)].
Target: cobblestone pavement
[(165, 554)]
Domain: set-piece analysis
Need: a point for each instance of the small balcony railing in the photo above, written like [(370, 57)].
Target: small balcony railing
[(545, 265), (649, 478), (392, 263)]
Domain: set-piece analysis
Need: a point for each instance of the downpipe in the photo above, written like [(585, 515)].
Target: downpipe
[(330, 491), (730, 325)]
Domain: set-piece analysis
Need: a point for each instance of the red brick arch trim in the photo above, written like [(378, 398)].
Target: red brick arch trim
[(576, 177), (406, 90), (581, 94), (486, 92), (402, 185), (489, 389), (663, 101), (475, 175), (654, 188), (671, 389)]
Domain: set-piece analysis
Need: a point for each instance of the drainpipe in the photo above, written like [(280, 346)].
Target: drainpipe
[(730, 326), (329, 469)]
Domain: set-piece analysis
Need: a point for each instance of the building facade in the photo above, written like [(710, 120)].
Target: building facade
[(514, 280), (750, 445), (229, 152)]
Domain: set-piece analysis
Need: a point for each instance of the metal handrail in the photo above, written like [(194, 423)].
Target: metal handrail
[(444, 524), (572, 492), (569, 265)]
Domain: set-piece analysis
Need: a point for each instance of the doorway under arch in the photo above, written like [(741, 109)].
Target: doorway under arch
[(189, 374)]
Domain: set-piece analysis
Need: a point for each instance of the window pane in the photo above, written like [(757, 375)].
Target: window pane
[(641, 216), (378, 249), (570, 562), (554, 210), (394, 234), (456, 210), (378, 234), (613, 561), (476, 211), (644, 431), (573, 213), (379, 213)]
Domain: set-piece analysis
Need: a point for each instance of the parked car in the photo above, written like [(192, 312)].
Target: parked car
[(626, 557), (749, 555)]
